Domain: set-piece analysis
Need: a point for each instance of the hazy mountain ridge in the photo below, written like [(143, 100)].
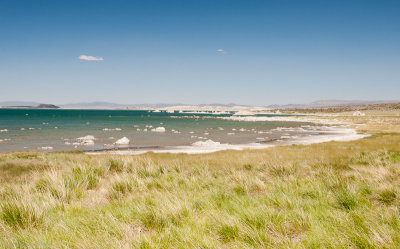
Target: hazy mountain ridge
[(92, 104), (115, 105)]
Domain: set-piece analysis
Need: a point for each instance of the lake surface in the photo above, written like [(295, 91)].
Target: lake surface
[(59, 129)]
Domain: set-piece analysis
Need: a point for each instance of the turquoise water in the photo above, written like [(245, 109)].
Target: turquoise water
[(33, 129)]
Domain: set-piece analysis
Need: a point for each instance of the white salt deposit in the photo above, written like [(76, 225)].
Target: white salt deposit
[(110, 129), (45, 148), (158, 129), (207, 143), (88, 137), (311, 119), (86, 140), (208, 146), (243, 113), (358, 113), (122, 141), (198, 147)]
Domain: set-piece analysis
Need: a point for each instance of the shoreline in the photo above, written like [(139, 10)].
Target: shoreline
[(338, 131)]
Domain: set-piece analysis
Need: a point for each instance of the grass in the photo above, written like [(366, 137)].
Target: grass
[(329, 195), (20, 215)]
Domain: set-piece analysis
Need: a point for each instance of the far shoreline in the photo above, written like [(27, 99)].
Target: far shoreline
[(339, 132)]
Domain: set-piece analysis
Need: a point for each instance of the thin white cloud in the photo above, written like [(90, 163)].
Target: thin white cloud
[(90, 58), (220, 50)]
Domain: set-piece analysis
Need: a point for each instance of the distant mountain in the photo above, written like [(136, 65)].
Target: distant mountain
[(93, 105), (330, 103), (109, 105)]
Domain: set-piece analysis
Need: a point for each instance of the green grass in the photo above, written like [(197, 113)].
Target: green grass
[(329, 195), (20, 215)]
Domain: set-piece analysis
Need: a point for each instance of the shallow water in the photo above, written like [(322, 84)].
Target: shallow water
[(36, 129)]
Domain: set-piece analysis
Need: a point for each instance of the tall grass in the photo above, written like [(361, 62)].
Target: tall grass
[(21, 215)]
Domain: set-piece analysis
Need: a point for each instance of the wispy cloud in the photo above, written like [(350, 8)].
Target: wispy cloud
[(90, 58), (220, 50)]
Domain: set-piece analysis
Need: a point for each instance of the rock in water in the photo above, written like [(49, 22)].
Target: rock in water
[(88, 137), (122, 141), (87, 140), (159, 129)]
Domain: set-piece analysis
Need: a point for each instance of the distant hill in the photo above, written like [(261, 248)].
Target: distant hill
[(109, 105), (93, 105), (46, 106)]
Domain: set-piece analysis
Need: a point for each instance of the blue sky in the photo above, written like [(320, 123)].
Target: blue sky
[(273, 52)]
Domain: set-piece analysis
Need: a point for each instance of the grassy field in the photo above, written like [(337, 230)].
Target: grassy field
[(379, 108), (330, 195)]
